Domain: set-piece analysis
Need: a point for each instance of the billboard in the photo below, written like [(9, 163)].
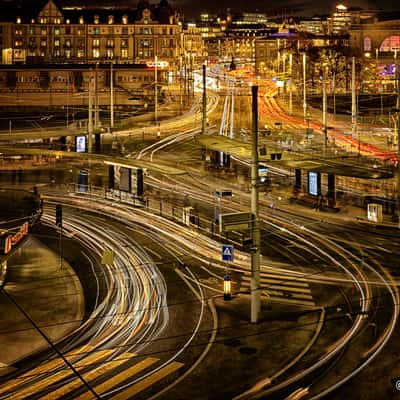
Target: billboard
[(80, 144), (125, 179), (313, 183), (83, 179)]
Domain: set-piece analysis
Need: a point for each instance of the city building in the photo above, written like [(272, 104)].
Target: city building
[(86, 35), (35, 45)]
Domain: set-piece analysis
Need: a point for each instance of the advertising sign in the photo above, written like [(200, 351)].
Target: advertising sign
[(80, 144), (313, 183)]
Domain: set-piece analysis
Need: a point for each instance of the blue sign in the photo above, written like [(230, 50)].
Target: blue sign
[(227, 252)]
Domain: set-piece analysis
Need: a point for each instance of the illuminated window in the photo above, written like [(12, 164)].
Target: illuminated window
[(81, 20), (367, 44), (124, 19), (96, 19), (110, 53), (18, 20), (110, 19), (57, 31), (124, 53), (391, 43), (96, 43), (96, 53), (57, 43)]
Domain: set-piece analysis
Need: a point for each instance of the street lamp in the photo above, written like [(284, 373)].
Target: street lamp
[(304, 88), (227, 288)]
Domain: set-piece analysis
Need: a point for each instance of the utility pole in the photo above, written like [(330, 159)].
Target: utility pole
[(324, 109), (398, 145), (304, 88), (90, 116), (353, 99), (112, 95), (96, 98), (204, 120), (290, 84), (255, 250), (155, 91)]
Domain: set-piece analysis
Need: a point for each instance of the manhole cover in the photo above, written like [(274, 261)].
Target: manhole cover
[(247, 350)]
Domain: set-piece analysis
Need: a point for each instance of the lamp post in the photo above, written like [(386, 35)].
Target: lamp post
[(204, 120), (111, 94), (255, 253), (155, 91), (90, 111), (324, 108), (353, 99), (304, 88)]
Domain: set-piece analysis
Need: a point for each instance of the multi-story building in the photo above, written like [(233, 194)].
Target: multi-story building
[(61, 33), (80, 35)]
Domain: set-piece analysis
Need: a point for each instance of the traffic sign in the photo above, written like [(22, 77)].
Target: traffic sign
[(227, 252)]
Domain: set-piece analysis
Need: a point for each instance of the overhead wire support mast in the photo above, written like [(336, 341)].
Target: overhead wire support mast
[(255, 250)]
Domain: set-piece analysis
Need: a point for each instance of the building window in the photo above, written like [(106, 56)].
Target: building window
[(110, 42), (57, 31), (43, 21), (32, 30), (18, 20), (391, 43), (80, 53), (57, 43), (124, 19), (96, 43), (110, 19), (18, 32), (124, 53), (43, 43), (124, 31), (146, 31), (124, 43), (97, 31), (110, 53), (96, 53), (43, 32), (81, 20), (367, 44), (68, 53), (96, 19), (67, 30)]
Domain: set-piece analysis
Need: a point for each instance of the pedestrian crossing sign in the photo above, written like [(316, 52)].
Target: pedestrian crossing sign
[(227, 252)]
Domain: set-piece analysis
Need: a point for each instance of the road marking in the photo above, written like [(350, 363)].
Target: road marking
[(275, 281), (57, 376), (42, 369), (91, 375), (148, 381), (121, 377), (282, 288)]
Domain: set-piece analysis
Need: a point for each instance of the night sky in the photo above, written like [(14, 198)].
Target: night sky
[(193, 8), (284, 7)]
